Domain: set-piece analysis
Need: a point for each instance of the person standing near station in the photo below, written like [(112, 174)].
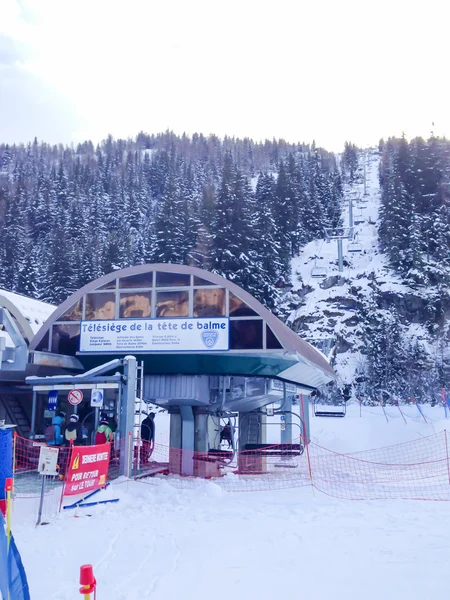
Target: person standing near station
[(147, 436), (73, 431), (54, 432), (104, 432)]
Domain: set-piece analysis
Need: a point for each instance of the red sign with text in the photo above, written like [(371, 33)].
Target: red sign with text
[(88, 469)]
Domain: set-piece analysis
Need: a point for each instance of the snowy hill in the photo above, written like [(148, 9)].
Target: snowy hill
[(331, 309), (152, 542)]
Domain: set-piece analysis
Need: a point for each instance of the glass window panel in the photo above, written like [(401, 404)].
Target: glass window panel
[(74, 313), (209, 302), (143, 280), (272, 342), (172, 304), (100, 306), (200, 281), (111, 285), (172, 279), (43, 344), (246, 335), (135, 305), (238, 308), (65, 339)]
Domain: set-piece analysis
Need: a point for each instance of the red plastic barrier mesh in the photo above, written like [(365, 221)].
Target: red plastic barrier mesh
[(275, 467), (415, 470), (27, 481)]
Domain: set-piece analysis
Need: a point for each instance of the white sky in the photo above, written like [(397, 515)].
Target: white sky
[(327, 70)]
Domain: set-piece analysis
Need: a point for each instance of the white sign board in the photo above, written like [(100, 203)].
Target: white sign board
[(277, 386), (48, 461), (155, 335), (97, 398)]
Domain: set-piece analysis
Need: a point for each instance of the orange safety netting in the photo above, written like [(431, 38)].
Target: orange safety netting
[(414, 470)]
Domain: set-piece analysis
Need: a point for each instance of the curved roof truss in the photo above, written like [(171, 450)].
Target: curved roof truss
[(172, 290)]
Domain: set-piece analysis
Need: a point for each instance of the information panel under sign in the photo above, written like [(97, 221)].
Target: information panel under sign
[(52, 400), (88, 470), (155, 335), (97, 398), (48, 461)]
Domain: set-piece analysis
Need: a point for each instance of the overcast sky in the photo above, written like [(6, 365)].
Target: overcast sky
[(329, 70)]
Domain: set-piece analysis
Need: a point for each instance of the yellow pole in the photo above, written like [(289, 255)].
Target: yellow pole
[(8, 488), (86, 596)]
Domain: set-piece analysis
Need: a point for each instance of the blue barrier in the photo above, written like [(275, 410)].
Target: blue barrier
[(6, 464)]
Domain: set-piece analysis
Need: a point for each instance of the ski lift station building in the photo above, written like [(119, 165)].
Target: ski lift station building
[(175, 336)]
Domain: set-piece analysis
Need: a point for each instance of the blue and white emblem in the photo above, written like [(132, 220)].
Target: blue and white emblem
[(209, 338)]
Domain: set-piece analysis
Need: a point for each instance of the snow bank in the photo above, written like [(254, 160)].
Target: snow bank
[(165, 543)]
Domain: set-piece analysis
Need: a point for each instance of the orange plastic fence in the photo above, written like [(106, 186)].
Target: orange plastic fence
[(414, 470)]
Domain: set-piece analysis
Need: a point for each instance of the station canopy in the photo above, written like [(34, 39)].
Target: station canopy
[(168, 297), (28, 313)]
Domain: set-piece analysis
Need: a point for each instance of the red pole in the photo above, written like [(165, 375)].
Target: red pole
[(305, 440), (398, 406), (381, 404), (87, 581), (69, 458)]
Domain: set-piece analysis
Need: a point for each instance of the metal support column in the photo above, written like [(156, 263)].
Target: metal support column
[(187, 440), (203, 465), (286, 433), (252, 430), (175, 442), (127, 415), (350, 217), (340, 255), (33, 416), (304, 416), (201, 431)]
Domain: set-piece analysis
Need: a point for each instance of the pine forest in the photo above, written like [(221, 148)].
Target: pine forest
[(244, 210)]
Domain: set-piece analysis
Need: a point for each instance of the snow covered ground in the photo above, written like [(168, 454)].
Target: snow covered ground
[(164, 543)]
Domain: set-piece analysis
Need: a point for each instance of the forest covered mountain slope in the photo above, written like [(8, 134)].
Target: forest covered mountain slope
[(260, 214), (384, 321)]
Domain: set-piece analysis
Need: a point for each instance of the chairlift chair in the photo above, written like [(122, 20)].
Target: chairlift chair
[(330, 410), (318, 272), (358, 220), (354, 246)]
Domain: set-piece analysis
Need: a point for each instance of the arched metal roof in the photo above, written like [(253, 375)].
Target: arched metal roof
[(30, 314), (303, 363)]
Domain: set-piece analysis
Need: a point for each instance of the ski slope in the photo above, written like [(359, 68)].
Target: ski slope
[(326, 307), (164, 543)]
